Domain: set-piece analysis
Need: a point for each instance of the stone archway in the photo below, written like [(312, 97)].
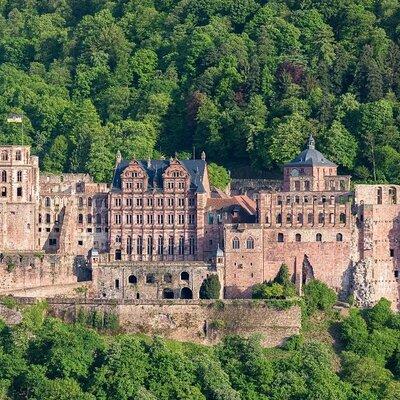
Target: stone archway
[(186, 293)]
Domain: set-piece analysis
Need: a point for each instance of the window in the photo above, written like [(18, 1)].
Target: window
[(289, 218), (118, 239), (191, 201), (150, 202), (139, 202), (117, 284), (19, 192), (128, 245), (171, 246), (170, 202), (80, 218), (184, 276), (210, 218), (181, 185), (392, 195), (279, 218), (181, 245), (297, 199), (98, 218), (168, 278), (4, 176), (89, 201), (18, 155), (52, 242), (235, 243), (3, 192), (132, 279), (48, 218), (4, 156), (250, 243), (80, 242), (129, 202), (310, 218), (321, 218), (160, 202), (128, 185), (298, 237), (297, 185), (117, 202), (160, 219), (181, 202), (339, 237), (307, 186), (300, 218), (150, 219), (170, 219), (139, 219), (342, 218), (279, 200), (129, 218), (160, 245), (150, 278), (118, 255), (391, 253), (89, 218), (139, 245), (379, 195), (40, 218), (280, 238), (318, 237), (150, 245), (80, 202), (191, 219), (192, 245), (168, 293), (181, 219)]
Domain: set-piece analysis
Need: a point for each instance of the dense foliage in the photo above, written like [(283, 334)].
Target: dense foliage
[(245, 80), (210, 288), (45, 359)]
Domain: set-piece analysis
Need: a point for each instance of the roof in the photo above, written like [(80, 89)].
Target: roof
[(155, 169), (311, 157), (243, 201)]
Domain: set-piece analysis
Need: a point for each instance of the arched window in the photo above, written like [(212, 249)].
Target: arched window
[(280, 238), (47, 202), (18, 155), (392, 195), (318, 237), (139, 245), (379, 195), (297, 199), (168, 293), (289, 218), (186, 293), (19, 176), (150, 245), (250, 243), (321, 218), (184, 276), (129, 245), (298, 237), (80, 218), (310, 218), (4, 155), (89, 201), (89, 218), (339, 237), (342, 218), (300, 218), (4, 176), (279, 218), (235, 243), (332, 218), (132, 279), (80, 201)]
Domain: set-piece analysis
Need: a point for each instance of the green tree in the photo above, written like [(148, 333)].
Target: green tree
[(210, 288), (218, 175)]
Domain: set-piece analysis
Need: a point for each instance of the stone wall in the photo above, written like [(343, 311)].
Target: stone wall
[(204, 322)]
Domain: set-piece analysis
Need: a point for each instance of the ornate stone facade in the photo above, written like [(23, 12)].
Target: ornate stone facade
[(158, 230)]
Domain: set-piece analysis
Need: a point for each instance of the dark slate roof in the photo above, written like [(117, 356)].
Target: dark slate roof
[(311, 157), (155, 169)]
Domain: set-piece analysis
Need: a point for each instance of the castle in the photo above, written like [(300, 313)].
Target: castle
[(159, 229)]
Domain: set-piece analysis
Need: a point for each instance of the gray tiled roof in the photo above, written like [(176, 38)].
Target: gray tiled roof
[(155, 169), (311, 157)]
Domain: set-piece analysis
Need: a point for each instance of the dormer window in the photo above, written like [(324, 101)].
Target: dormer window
[(135, 174), (175, 174)]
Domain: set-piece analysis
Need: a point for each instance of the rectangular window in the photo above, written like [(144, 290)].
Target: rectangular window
[(191, 219), (160, 219), (117, 219), (139, 219), (139, 202), (160, 202), (129, 219), (80, 242), (150, 202), (150, 219), (191, 201), (170, 202), (210, 218), (170, 219), (391, 252), (181, 202), (129, 202), (52, 242), (171, 246), (117, 202), (19, 192), (181, 219), (181, 247), (160, 245), (192, 245)]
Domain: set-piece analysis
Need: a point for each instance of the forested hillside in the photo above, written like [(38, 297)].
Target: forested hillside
[(45, 359), (245, 80)]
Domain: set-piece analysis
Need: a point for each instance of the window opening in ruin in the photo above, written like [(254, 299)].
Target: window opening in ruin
[(117, 284), (300, 218), (392, 195), (379, 195), (184, 276), (279, 218), (132, 279), (342, 218), (118, 255), (137, 296), (318, 237), (391, 252), (396, 274), (186, 293), (168, 293), (298, 237), (289, 218), (150, 278), (280, 238), (339, 237), (250, 243), (321, 218), (19, 192)]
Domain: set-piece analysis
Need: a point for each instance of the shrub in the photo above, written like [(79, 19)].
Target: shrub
[(318, 296), (210, 288)]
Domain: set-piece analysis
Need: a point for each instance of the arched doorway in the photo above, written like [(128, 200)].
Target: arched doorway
[(168, 293), (186, 293)]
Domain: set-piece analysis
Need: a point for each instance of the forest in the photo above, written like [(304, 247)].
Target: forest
[(246, 81), (356, 357)]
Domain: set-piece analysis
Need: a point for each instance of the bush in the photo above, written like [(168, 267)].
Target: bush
[(218, 175), (210, 288), (318, 296)]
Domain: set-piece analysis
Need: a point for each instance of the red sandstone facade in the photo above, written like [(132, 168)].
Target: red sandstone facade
[(158, 230)]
